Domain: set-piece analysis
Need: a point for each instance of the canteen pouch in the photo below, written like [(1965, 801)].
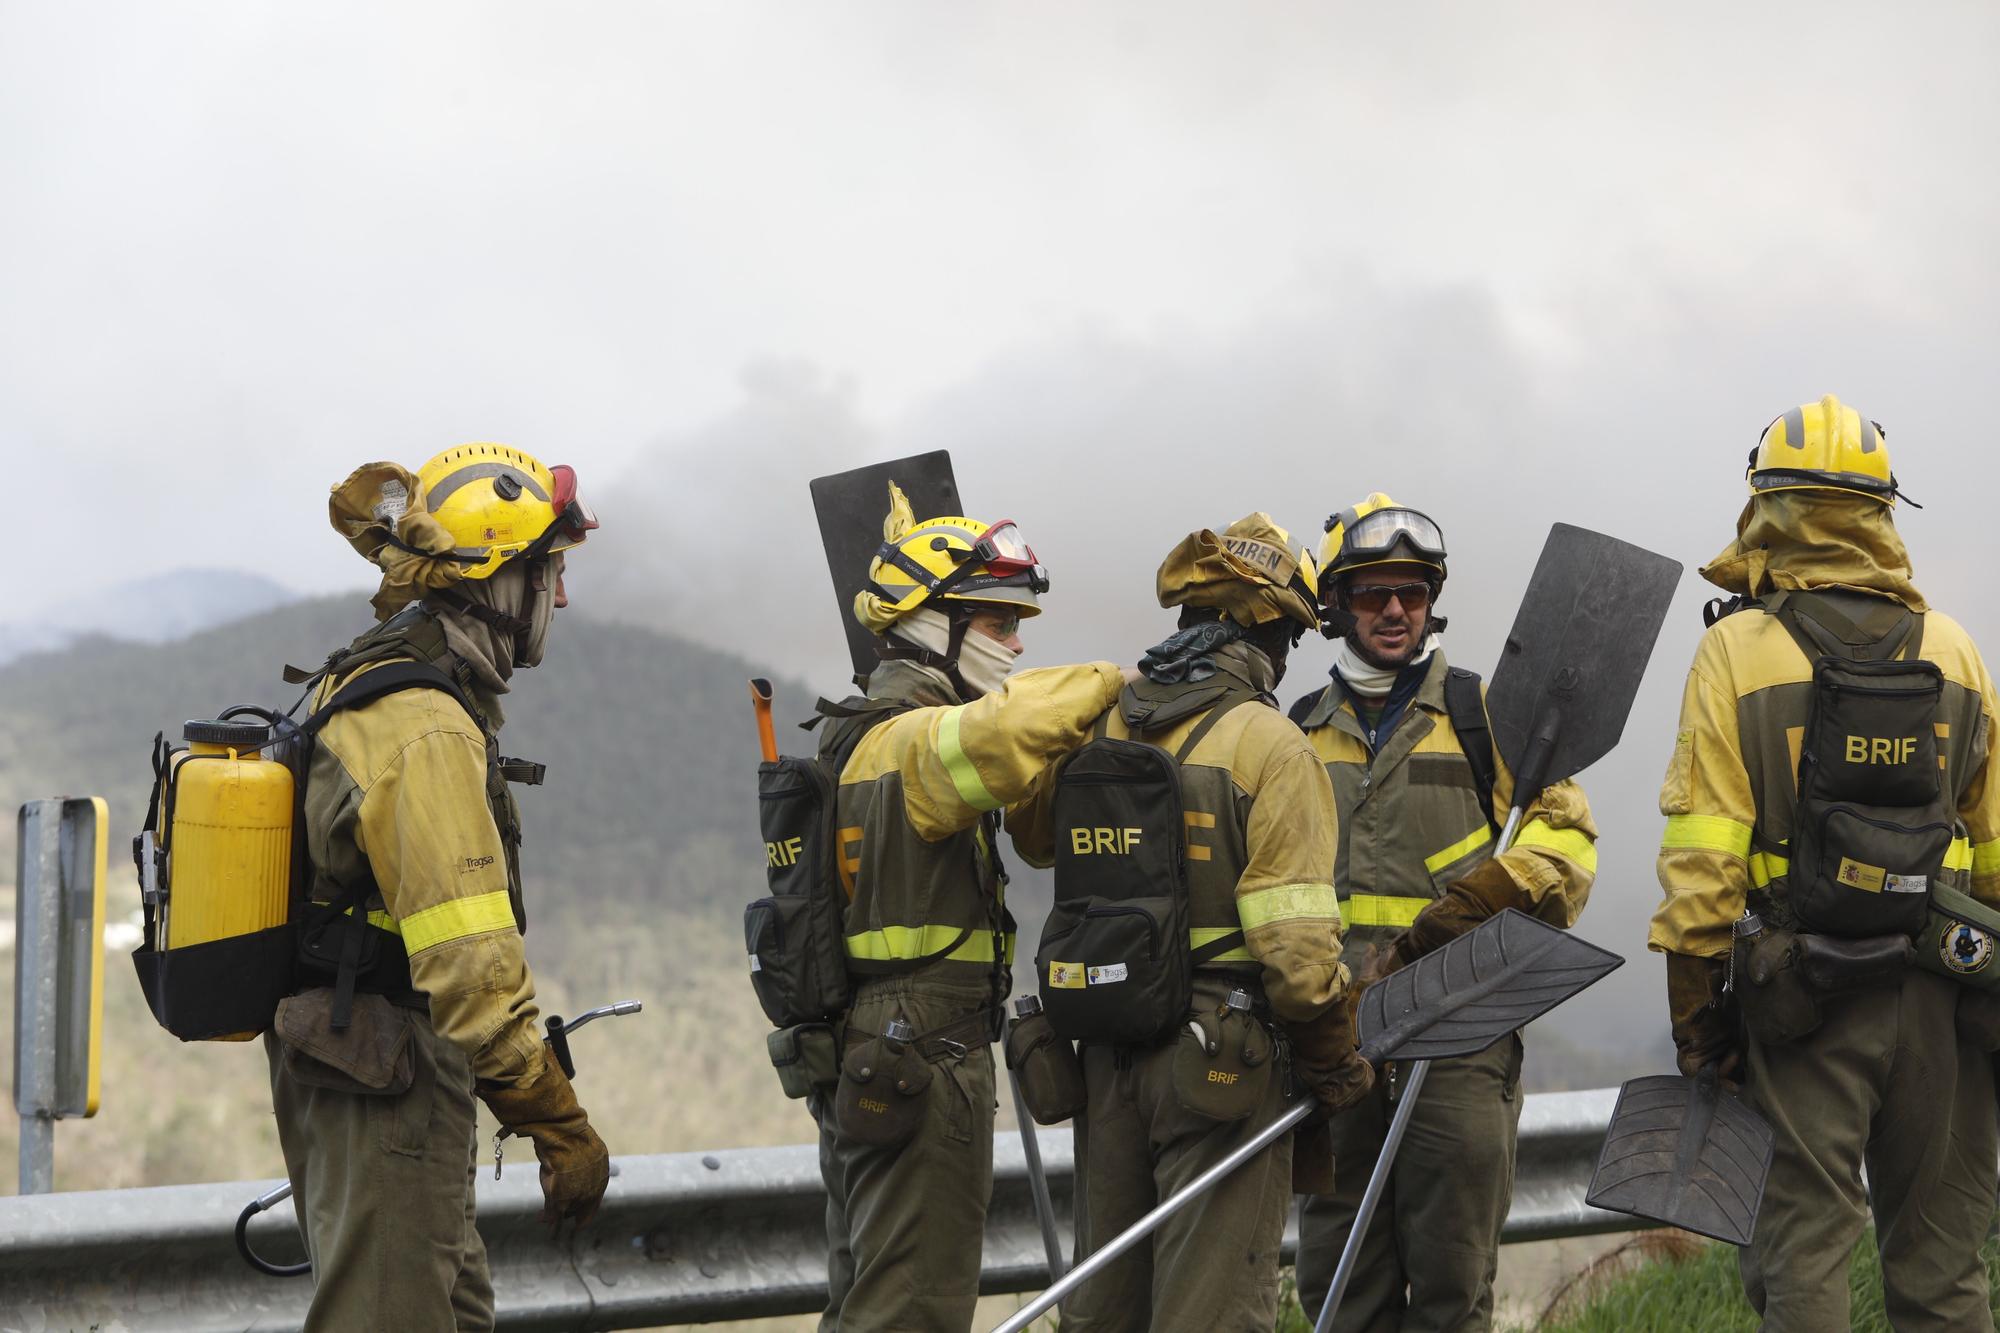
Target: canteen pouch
[(1959, 940), (880, 1102), (1113, 964), (1223, 1064), (798, 962), (372, 1056), (1873, 821), (1045, 1068), (1778, 1004), (1833, 966), (805, 1058)]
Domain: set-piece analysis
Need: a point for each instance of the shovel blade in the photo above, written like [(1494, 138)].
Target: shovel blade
[(1489, 982), (1578, 649), (1686, 1152), (851, 506)]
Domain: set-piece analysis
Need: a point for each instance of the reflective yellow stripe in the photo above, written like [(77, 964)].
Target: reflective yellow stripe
[(1381, 909), (1706, 833), (898, 944), (1986, 857), (380, 920), (1287, 902), (1201, 935), (1565, 842), (1765, 867), (1465, 846), (1958, 856), (964, 776), (457, 919)]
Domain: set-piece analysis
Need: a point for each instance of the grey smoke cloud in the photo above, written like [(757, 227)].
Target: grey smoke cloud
[(1142, 266)]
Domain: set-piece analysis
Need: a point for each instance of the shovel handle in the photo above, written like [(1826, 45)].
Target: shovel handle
[(760, 700)]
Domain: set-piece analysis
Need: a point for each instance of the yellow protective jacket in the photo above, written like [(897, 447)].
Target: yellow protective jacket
[(1260, 833), (1411, 822), (914, 801), (1731, 784), (401, 794)]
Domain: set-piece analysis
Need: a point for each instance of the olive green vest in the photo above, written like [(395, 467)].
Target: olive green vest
[(929, 909), (1411, 822)]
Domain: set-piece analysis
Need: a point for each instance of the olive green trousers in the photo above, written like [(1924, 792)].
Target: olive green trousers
[(1886, 1082), (904, 1225), (1428, 1258), (383, 1190), (1214, 1264)]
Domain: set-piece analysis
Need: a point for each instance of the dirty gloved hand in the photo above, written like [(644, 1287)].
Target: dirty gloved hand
[(1326, 1059), (576, 1166), (1464, 905), (1704, 1020)]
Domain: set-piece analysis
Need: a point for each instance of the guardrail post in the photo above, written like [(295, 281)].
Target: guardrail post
[(37, 926)]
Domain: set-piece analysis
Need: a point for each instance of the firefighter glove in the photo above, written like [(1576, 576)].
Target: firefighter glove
[(576, 1166), (1326, 1059), (1466, 904), (1704, 1016)]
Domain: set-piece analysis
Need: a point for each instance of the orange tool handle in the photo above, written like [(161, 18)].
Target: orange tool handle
[(760, 699)]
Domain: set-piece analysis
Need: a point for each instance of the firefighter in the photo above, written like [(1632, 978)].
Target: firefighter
[(1187, 1083), (1422, 795), (423, 998), (944, 738), (1830, 781)]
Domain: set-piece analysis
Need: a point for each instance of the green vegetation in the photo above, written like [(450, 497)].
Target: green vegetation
[(1679, 1283)]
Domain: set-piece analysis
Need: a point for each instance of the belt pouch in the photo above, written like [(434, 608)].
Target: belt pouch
[(372, 1056), (1959, 940), (804, 1057), (1832, 966), (880, 1102), (1778, 1005), (1222, 1064), (1046, 1070)]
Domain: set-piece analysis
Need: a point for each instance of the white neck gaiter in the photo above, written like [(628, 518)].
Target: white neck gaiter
[(984, 664), (1370, 681)]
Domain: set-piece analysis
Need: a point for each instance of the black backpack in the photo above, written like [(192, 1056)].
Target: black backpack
[(1114, 963), (795, 934), (1875, 817)]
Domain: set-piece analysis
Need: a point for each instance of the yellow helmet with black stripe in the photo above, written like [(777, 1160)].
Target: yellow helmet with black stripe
[(498, 503), (1378, 531), (1825, 445)]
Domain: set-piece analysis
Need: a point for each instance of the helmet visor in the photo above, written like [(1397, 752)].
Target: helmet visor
[(1380, 532), (574, 516), (1003, 550)]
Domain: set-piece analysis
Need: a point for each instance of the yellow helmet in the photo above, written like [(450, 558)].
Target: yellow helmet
[(1378, 531), (949, 559), (1825, 445), (498, 503)]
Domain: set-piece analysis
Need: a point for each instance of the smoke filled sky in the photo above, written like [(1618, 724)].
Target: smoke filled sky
[(1142, 266)]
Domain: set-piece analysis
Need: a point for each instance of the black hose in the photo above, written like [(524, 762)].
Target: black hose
[(250, 1210)]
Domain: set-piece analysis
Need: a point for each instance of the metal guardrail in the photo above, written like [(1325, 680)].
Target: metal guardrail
[(682, 1238)]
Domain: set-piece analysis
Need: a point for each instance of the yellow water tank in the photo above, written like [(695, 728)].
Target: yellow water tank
[(229, 836)]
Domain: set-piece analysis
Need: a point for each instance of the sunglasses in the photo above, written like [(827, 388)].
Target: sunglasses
[(1373, 598)]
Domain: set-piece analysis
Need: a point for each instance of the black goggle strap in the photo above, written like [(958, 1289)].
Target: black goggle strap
[(966, 573), (393, 540)]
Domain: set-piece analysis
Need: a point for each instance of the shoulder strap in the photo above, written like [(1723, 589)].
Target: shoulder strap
[(1822, 629), (1467, 709), (392, 678), (1207, 723), (1302, 708)]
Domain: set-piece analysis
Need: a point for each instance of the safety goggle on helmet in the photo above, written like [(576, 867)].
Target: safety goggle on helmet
[(1373, 538), (961, 560)]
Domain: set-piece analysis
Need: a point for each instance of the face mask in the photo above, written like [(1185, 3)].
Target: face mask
[(539, 612), (984, 663)]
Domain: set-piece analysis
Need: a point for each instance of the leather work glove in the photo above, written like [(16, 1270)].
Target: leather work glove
[(576, 1166), (1465, 904), (1704, 1017), (1325, 1058)]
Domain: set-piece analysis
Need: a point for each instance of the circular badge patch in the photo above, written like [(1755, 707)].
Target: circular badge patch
[(1965, 948)]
